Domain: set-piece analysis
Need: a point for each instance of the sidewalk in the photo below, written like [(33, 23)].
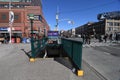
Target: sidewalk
[(15, 65)]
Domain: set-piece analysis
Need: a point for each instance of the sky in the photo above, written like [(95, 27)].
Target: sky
[(78, 11)]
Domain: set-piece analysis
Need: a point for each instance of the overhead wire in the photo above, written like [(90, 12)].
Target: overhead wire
[(89, 8)]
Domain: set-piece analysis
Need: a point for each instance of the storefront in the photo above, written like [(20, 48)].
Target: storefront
[(5, 36)]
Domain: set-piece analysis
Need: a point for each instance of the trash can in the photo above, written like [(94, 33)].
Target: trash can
[(24, 40)]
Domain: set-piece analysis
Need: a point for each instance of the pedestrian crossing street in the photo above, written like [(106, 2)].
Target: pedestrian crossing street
[(94, 44)]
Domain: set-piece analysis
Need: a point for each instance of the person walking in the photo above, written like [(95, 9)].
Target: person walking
[(99, 38), (88, 41), (116, 37), (83, 37), (110, 37), (105, 38)]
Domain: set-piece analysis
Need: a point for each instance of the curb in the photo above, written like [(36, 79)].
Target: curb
[(97, 75)]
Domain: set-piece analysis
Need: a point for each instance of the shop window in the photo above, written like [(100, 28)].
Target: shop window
[(4, 17), (16, 17)]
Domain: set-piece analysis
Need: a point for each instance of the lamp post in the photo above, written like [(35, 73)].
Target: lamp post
[(57, 19), (31, 17), (44, 31), (11, 19)]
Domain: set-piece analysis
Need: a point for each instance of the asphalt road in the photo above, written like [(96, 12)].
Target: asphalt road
[(104, 59), (113, 50)]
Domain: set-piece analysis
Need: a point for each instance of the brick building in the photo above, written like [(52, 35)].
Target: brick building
[(109, 23), (21, 25)]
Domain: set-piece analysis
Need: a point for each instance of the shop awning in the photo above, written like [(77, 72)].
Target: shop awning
[(12, 32)]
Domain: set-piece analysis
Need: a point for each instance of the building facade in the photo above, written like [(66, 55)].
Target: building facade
[(112, 26), (102, 27), (21, 26), (109, 23)]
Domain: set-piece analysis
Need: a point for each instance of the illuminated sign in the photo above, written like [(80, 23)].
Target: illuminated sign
[(53, 33)]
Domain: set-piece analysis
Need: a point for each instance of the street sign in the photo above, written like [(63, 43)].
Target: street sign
[(11, 17), (31, 16)]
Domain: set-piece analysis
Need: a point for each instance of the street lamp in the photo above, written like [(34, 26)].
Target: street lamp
[(11, 19), (31, 17), (57, 19), (44, 31)]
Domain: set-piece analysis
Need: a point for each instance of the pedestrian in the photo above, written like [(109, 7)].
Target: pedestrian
[(105, 38), (110, 37), (116, 37), (83, 37), (99, 38), (5, 38), (88, 40)]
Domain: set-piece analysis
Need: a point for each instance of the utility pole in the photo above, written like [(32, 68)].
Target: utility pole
[(57, 19), (10, 25), (11, 19)]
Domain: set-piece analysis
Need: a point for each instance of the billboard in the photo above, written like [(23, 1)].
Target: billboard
[(109, 15)]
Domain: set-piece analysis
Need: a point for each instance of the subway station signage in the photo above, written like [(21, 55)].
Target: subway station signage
[(37, 17)]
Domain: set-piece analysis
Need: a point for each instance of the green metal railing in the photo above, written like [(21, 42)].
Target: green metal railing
[(37, 45), (73, 49)]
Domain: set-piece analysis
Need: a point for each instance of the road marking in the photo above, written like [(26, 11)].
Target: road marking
[(114, 47), (106, 53)]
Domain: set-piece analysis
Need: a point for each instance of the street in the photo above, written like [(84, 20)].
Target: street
[(104, 59), (110, 50), (101, 61)]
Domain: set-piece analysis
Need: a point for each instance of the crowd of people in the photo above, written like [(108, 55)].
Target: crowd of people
[(101, 38)]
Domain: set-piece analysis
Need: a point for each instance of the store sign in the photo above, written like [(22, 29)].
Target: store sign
[(37, 17), (3, 29), (53, 33)]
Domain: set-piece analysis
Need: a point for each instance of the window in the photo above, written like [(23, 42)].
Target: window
[(4, 17), (110, 23), (110, 28), (16, 17), (116, 28), (116, 24)]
